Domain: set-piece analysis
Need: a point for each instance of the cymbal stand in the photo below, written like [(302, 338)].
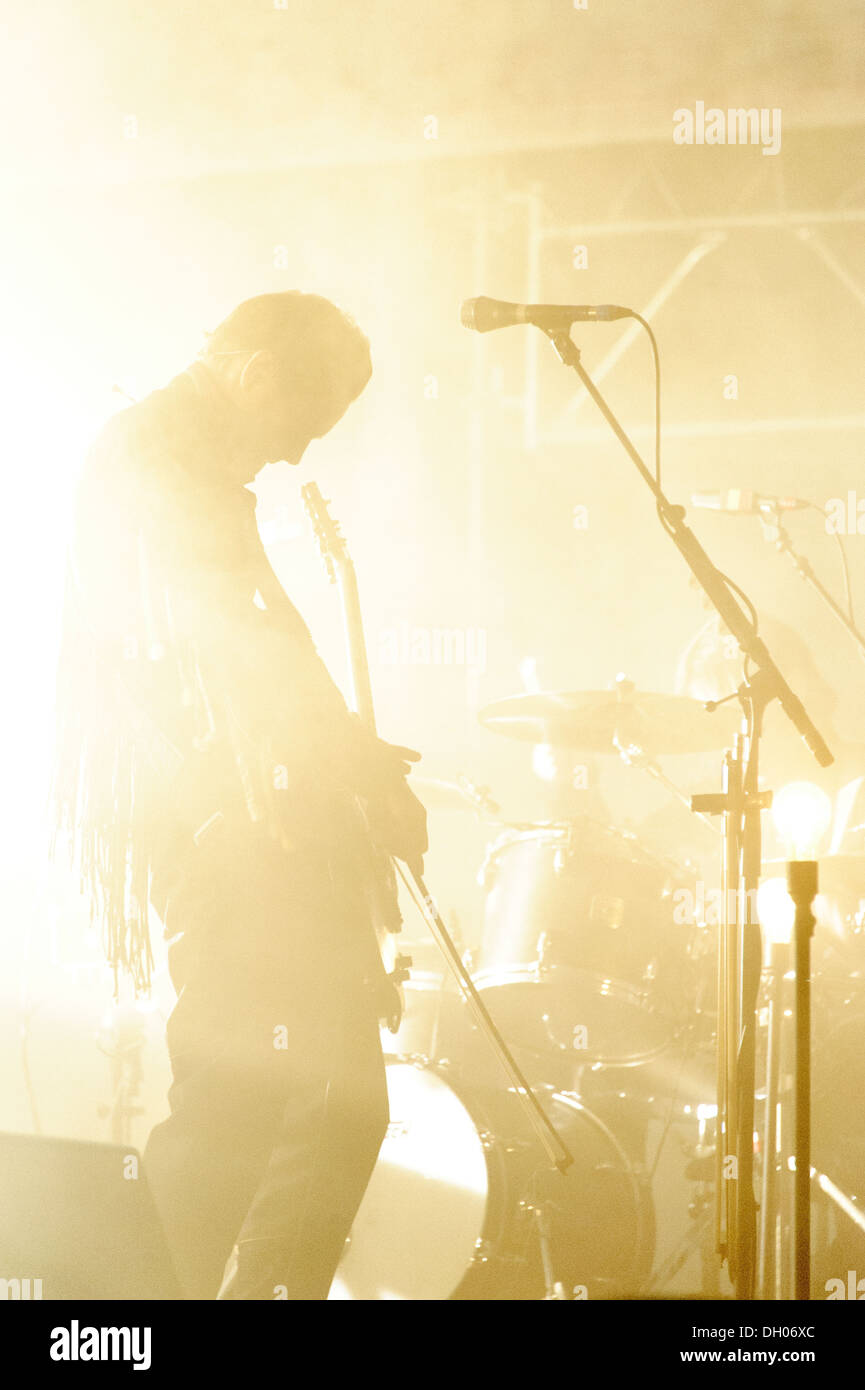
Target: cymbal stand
[(634, 756)]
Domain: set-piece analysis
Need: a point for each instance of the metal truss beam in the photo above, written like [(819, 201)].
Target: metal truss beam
[(708, 429), (744, 221), (711, 232)]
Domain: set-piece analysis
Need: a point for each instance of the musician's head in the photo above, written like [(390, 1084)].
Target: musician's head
[(291, 364)]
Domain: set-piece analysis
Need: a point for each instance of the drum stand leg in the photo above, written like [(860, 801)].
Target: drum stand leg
[(697, 1240), (554, 1289)]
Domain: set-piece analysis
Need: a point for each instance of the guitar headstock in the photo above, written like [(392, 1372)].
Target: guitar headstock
[(328, 536)]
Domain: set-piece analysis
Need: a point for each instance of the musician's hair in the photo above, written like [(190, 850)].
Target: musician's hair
[(317, 342)]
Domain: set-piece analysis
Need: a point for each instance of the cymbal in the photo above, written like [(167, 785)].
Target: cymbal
[(590, 720), (462, 795), (437, 794)]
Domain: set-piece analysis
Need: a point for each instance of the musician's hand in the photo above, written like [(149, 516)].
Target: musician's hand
[(398, 819), (401, 758)]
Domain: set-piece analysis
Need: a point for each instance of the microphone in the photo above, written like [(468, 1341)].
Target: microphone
[(748, 503), (483, 314)]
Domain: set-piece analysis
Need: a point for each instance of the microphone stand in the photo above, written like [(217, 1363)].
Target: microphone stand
[(778, 536), (741, 803)]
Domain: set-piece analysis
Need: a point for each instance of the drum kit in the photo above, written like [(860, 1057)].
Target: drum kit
[(605, 1001), (606, 995)]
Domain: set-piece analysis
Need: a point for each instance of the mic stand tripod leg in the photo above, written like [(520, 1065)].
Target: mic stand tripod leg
[(740, 962), (729, 804), (754, 694), (771, 1216)]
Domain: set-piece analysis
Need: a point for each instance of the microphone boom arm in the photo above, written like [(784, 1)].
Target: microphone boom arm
[(708, 576)]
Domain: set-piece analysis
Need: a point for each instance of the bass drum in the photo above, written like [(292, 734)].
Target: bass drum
[(462, 1191)]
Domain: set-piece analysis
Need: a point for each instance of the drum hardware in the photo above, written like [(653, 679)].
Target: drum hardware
[(478, 797), (839, 1241), (450, 1209), (554, 1289), (461, 795), (698, 1239), (694, 1125), (776, 533), (632, 755)]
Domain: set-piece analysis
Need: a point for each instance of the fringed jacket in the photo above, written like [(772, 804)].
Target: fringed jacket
[(188, 685)]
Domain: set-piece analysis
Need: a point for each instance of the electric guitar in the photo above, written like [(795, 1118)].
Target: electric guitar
[(382, 890)]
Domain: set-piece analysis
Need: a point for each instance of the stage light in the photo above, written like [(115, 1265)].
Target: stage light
[(802, 813), (776, 911), (544, 762)]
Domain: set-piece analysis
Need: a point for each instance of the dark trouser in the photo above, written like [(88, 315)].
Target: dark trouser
[(279, 1102)]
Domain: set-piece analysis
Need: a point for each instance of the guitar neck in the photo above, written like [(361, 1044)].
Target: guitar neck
[(358, 661), (340, 569), (386, 918)]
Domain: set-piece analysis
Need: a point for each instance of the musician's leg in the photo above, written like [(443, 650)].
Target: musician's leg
[(204, 1163), (278, 1102), (295, 1231)]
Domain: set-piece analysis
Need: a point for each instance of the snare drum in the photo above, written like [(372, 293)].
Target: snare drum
[(463, 1203)]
